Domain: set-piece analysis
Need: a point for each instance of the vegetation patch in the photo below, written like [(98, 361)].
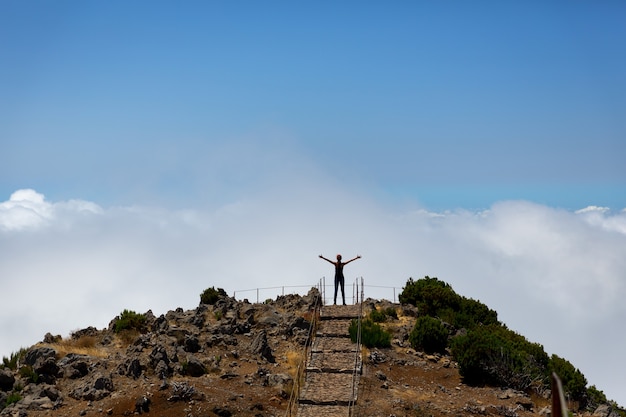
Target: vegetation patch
[(372, 334), (488, 353), (429, 335), (130, 320), (211, 295), (12, 360)]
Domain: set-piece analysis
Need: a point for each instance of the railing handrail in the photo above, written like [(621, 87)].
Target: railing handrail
[(300, 370), (358, 360), (321, 286)]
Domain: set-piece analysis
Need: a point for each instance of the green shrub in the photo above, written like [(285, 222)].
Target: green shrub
[(429, 335), (595, 397), (29, 374), (574, 382), (372, 334), (436, 298), (13, 398), (211, 295), (429, 295), (391, 312), (378, 316), (129, 320), (11, 361), (473, 313), (498, 356)]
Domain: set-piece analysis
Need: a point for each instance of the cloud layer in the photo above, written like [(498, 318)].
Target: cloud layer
[(554, 276)]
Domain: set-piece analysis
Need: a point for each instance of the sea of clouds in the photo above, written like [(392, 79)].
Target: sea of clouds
[(556, 276)]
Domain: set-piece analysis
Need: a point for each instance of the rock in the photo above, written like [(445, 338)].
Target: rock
[(282, 382), (98, 388), (50, 339), (194, 367), (35, 354), (299, 323), (381, 376), (222, 412), (134, 368), (142, 404), (192, 344), (376, 357), (89, 331), (47, 369), (74, 366), (409, 310), (182, 391), (6, 380), (525, 403), (260, 346), (160, 324), (605, 410)]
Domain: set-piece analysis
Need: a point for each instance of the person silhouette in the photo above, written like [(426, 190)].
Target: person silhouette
[(339, 279)]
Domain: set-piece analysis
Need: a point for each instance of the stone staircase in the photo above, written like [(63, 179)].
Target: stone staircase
[(334, 368)]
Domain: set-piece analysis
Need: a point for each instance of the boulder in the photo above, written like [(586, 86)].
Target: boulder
[(194, 367), (261, 347), (99, 387), (142, 404), (74, 366), (192, 344), (89, 331), (41, 353), (605, 410), (50, 339), (6, 380)]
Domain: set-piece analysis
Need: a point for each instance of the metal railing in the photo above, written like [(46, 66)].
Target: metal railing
[(358, 359), (354, 293), (294, 397), (273, 291)]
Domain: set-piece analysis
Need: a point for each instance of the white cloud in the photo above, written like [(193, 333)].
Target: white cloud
[(555, 276)]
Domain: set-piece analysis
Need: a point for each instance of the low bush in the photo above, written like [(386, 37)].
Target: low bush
[(129, 320), (27, 372), (372, 334), (574, 382), (391, 312), (12, 360), (429, 335), (211, 295), (13, 398), (435, 298), (595, 397), (497, 356), (378, 316)]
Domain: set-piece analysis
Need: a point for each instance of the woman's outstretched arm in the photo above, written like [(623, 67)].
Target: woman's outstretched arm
[(353, 259), (326, 259)]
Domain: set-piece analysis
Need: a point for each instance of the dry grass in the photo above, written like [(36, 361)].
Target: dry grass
[(85, 345), (295, 360)]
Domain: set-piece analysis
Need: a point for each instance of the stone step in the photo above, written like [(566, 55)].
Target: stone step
[(328, 389), (335, 362), (333, 345), (314, 410), (339, 312), (334, 328)]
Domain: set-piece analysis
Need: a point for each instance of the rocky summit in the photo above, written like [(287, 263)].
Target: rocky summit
[(234, 358)]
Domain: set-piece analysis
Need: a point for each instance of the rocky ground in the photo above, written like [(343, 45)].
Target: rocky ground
[(234, 358)]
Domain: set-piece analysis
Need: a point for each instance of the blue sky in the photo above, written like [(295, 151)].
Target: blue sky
[(484, 102), (229, 143)]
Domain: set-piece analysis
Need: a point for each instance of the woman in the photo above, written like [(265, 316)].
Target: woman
[(339, 279)]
